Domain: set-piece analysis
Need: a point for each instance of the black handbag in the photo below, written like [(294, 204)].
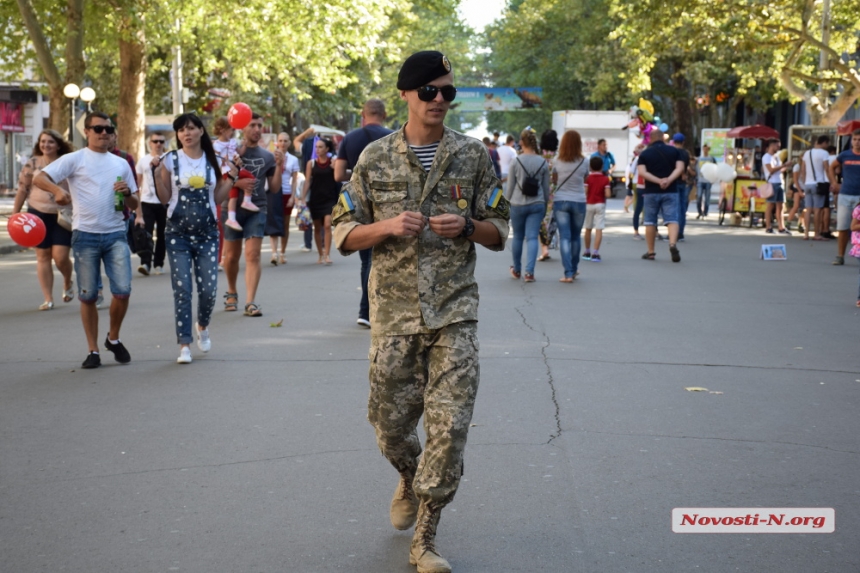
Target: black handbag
[(142, 240)]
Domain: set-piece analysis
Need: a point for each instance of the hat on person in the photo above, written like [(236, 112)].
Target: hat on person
[(678, 138), (421, 68)]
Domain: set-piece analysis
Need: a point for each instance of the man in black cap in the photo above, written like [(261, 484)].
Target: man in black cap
[(421, 198)]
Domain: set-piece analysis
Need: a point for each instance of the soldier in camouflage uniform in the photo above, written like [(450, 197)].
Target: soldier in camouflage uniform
[(423, 213)]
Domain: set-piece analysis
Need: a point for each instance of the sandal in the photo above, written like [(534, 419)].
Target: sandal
[(231, 306), (274, 261), (282, 260), (46, 306), (69, 293), (515, 274), (565, 280), (649, 256), (544, 257), (327, 261), (251, 309), (858, 304)]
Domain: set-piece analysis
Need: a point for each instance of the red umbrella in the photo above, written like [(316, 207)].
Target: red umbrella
[(847, 127), (753, 132)]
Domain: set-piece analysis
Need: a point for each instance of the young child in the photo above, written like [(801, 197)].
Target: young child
[(598, 189), (227, 148), (855, 239)]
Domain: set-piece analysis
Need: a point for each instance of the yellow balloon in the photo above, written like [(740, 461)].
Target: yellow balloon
[(646, 105)]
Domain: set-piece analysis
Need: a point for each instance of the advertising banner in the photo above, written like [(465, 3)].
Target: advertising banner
[(11, 117), (718, 142), (497, 99)]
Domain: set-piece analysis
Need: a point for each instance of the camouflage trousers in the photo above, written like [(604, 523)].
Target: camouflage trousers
[(435, 375)]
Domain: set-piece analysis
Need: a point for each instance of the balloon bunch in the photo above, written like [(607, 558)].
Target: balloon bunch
[(643, 118), (714, 173)]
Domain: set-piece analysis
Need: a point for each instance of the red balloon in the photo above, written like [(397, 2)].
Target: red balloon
[(239, 115), (25, 229)]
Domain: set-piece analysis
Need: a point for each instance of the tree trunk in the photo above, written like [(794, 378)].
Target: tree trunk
[(130, 109), (75, 65), (842, 104), (59, 110), (681, 98)]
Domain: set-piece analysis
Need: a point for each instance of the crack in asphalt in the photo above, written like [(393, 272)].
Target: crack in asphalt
[(204, 466), (740, 440), (549, 376)]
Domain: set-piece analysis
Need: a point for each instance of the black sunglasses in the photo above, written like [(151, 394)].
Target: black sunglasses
[(157, 140), (428, 93), (109, 129)]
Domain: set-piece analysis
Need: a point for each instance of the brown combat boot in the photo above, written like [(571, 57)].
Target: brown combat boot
[(404, 504), (423, 550)]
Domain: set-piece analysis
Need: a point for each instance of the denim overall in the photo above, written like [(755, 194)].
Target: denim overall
[(192, 243)]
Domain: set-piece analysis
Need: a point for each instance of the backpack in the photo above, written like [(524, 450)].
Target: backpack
[(531, 184)]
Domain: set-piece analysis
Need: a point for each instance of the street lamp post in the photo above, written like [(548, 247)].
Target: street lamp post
[(71, 91), (87, 96)]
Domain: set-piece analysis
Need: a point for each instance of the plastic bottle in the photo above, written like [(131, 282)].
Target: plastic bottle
[(118, 198)]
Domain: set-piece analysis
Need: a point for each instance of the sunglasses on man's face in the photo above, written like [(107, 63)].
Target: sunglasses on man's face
[(158, 141), (428, 93), (109, 129)]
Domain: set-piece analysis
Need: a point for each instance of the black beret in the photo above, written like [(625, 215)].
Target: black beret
[(421, 68)]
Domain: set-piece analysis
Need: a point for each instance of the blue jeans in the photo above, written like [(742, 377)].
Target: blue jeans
[(683, 203), (570, 216), (366, 256), (703, 197), (91, 249), (525, 221), (186, 254)]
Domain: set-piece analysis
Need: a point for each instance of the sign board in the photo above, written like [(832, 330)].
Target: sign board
[(803, 137), (497, 99), (773, 253), (719, 143), (11, 117)]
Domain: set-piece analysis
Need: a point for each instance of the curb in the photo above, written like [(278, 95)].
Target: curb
[(9, 249)]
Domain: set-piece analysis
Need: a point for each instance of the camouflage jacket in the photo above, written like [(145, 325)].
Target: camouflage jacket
[(420, 284)]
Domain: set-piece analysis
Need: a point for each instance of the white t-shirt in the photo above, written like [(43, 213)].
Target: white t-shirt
[(91, 176), (775, 163), (147, 188), (226, 151), (819, 158), (506, 155), (189, 168), (291, 165)]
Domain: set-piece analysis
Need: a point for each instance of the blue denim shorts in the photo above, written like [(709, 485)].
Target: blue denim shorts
[(778, 194), (253, 225), (91, 249), (661, 204)]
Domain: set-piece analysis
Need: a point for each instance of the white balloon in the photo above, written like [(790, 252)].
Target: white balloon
[(709, 172), (726, 172)]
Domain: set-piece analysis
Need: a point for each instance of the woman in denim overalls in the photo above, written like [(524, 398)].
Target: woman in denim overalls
[(189, 182)]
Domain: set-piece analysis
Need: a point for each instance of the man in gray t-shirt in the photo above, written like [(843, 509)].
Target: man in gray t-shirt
[(266, 169)]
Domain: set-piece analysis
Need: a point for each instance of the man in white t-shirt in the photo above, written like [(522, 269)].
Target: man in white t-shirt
[(102, 186), (151, 213), (814, 171), (507, 154), (773, 169)]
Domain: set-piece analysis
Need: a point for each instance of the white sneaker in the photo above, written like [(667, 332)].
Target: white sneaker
[(143, 269), (306, 250), (363, 322), (184, 356), (204, 343), (159, 270)]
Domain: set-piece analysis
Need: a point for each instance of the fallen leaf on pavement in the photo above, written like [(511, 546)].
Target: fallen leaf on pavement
[(277, 324), (695, 389)]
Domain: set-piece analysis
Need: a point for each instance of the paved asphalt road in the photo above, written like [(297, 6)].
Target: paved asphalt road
[(258, 458)]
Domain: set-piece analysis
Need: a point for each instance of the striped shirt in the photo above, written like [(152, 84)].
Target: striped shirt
[(426, 154)]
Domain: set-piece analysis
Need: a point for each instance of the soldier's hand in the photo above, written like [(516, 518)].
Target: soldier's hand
[(448, 225), (406, 224)]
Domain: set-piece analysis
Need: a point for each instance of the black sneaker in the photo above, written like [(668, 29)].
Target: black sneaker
[(676, 255), (93, 360), (119, 352), (769, 231)]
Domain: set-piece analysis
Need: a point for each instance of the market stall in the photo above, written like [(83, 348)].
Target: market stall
[(740, 194)]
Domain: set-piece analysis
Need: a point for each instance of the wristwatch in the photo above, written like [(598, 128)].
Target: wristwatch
[(468, 228)]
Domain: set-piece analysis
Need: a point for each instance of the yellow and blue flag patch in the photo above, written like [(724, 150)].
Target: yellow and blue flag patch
[(346, 202)]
